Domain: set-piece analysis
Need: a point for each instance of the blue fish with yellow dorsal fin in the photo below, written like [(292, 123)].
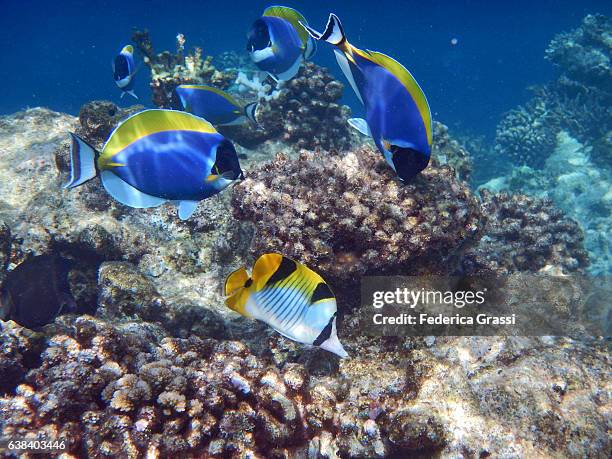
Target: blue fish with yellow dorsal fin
[(278, 44), (288, 296), (214, 105), (124, 70), (156, 156), (398, 117)]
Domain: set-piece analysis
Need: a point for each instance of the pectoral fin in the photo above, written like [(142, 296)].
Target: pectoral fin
[(186, 209), (361, 125)]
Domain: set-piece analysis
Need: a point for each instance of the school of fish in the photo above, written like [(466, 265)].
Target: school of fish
[(158, 156)]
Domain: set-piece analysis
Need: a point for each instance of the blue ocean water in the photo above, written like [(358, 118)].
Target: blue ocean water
[(474, 59)]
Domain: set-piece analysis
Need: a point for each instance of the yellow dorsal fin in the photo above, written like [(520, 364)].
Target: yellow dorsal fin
[(149, 122), (292, 16), (219, 92), (264, 268), (235, 280), (405, 77), (128, 49)]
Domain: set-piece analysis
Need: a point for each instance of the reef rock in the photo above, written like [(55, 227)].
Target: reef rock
[(348, 216), (525, 233)]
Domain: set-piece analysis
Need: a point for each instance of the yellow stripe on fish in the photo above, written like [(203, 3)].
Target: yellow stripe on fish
[(292, 16), (128, 49), (219, 92), (288, 296), (402, 74), (146, 123)]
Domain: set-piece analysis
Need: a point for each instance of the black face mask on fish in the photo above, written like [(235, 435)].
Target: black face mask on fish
[(258, 37), (407, 161), (227, 164)]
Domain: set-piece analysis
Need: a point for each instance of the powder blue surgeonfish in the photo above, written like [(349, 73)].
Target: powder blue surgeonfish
[(215, 105), (398, 117), (124, 70), (156, 156), (278, 44), (288, 296)]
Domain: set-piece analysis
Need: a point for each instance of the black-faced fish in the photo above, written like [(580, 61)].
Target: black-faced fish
[(156, 156), (398, 117), (278, 44), (291, 298), (124, 70), (37, 291), (215, 106)]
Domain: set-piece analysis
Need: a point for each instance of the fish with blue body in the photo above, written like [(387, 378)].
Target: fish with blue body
[(290, 297), (215, 106), (124, 70), (398, 117), (278, 44), (37, 291), (157, 156)]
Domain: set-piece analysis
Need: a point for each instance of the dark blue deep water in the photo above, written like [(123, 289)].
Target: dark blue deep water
[(58, 54)]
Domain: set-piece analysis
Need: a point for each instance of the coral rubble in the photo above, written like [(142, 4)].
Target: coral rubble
[(347, 215)]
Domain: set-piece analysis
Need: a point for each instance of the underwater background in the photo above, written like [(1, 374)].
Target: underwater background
[(64, 54), (115, 331)]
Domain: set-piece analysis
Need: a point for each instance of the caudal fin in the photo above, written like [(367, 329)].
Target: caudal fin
[(82, 162), (333, 33)]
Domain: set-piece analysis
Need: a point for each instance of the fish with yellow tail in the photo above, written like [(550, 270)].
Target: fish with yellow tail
[(398, 117), (290, 297)]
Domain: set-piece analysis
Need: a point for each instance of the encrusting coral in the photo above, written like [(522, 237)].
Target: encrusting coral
[(525, 233), (169, 70), (349, 216)]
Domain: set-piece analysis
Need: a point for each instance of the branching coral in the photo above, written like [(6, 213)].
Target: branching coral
[(525, 234), (108, 390), (348, 216), (578, 102), (170, 70), (585, 53)]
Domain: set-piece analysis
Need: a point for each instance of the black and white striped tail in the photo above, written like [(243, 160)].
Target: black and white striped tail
[(82, 162), (334, 32)]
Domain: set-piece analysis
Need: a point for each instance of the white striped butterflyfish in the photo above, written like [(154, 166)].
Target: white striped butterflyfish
[(156, 156), (398, 117), (291, 298)]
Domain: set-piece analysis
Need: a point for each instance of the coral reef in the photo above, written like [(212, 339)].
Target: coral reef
[(447, 150), (164, 369), (112, 390), (349, 217), (305, 111), (170, 70), (577, 186), (526, 135), (585, 53), (525, 233), (579, 102)]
